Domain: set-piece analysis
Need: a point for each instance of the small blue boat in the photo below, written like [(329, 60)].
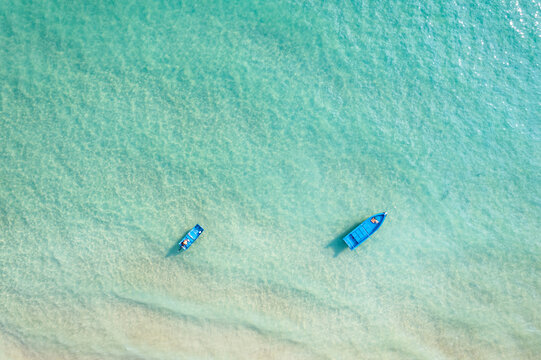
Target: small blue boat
[(363, 231), (190, 238)]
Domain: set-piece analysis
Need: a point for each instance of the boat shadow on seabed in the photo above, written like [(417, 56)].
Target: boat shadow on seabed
[(173, 251), (338, 244)]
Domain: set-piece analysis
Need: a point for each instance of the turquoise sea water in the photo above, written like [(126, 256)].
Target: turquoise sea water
[(277, 126)]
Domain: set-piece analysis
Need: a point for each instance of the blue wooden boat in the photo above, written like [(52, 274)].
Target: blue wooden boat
[(363, 231), (190, 238)]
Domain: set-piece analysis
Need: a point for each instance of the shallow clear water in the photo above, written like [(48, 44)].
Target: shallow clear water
[(278, 127)]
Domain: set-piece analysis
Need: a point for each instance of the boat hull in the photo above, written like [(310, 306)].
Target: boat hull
[(191, 236), (364, 230)]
